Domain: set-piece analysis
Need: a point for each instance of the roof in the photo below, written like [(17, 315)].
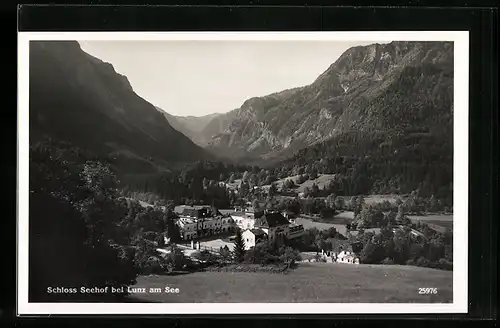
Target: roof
[(229, 211), (258, 232), (258, 214), (200, 211), (184, 220), (179, 209), (271, 220)]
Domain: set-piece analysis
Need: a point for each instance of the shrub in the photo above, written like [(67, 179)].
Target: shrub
[(150, 265), (387, 261), (207, 257), (422, 262), (175, 260), (444, 264), (289, 255)]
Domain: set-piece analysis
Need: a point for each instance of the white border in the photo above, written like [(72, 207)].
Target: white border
[(460, 184)]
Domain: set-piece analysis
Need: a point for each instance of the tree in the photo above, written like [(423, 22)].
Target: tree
[(301, 179), (289, 255), (173, 231), (314, 189), (433, 204), (371, 217), (401, 214), (339, 202), (74, 217), (256, 205), (294, 206), (244, 188), (359, 202), (372, 253), (330, 201), (390, 218), (245, 176), (273, 189), (353, 203), (289, 184), (239, 247), (402, 247), (225, 254), (175, 259)]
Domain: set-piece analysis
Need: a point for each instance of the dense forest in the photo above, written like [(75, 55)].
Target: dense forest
[(198, 183), (388, 164), (82, 233), (381, 163)]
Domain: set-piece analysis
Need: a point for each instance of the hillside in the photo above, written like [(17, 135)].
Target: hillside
[(216, 126), (380, 87), (80, 99), (191, 126), (310, 282)]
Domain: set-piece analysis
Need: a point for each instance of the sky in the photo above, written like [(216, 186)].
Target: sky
[(196, 78)]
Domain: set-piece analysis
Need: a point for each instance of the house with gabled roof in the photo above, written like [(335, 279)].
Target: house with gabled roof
[(274, 224), (252, 237)]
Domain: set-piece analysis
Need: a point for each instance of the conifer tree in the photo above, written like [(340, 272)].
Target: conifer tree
[(239, 247)]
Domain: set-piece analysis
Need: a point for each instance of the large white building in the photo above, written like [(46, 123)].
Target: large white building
[(202, 221), (244, 220)]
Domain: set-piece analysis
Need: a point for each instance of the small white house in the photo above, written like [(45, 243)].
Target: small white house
[(347, 257), (251, 237)]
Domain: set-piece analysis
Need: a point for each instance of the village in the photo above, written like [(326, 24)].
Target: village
[(204, 227), (308, 220)]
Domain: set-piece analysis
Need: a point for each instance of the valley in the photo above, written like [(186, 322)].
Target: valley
[(358, 162)]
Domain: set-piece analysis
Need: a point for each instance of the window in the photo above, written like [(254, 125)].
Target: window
[(247, 240)]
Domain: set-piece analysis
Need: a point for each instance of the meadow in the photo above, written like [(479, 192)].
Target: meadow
[(310, 282)]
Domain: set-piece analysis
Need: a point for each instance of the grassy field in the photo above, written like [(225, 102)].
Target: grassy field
[(338, 222), (437, 217), (308, 224), (320, 181), (436, 222), (311, 282)]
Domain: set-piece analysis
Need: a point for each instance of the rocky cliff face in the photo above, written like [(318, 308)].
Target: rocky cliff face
[(397, 87), (78, 98)]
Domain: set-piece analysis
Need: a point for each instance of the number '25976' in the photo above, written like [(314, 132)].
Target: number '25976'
[(426, 291)]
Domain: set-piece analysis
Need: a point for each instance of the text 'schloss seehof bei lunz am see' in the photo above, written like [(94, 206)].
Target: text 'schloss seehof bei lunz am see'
[(114, 290)]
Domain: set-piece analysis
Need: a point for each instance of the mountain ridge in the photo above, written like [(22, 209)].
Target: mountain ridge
[(351, 94), (72, 93)]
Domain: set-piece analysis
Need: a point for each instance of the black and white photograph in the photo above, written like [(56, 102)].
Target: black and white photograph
[(312, 172)]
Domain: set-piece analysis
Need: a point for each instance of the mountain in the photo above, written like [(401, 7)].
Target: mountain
[(80, 99), (399, 87), (216, 126), (191, 126)]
